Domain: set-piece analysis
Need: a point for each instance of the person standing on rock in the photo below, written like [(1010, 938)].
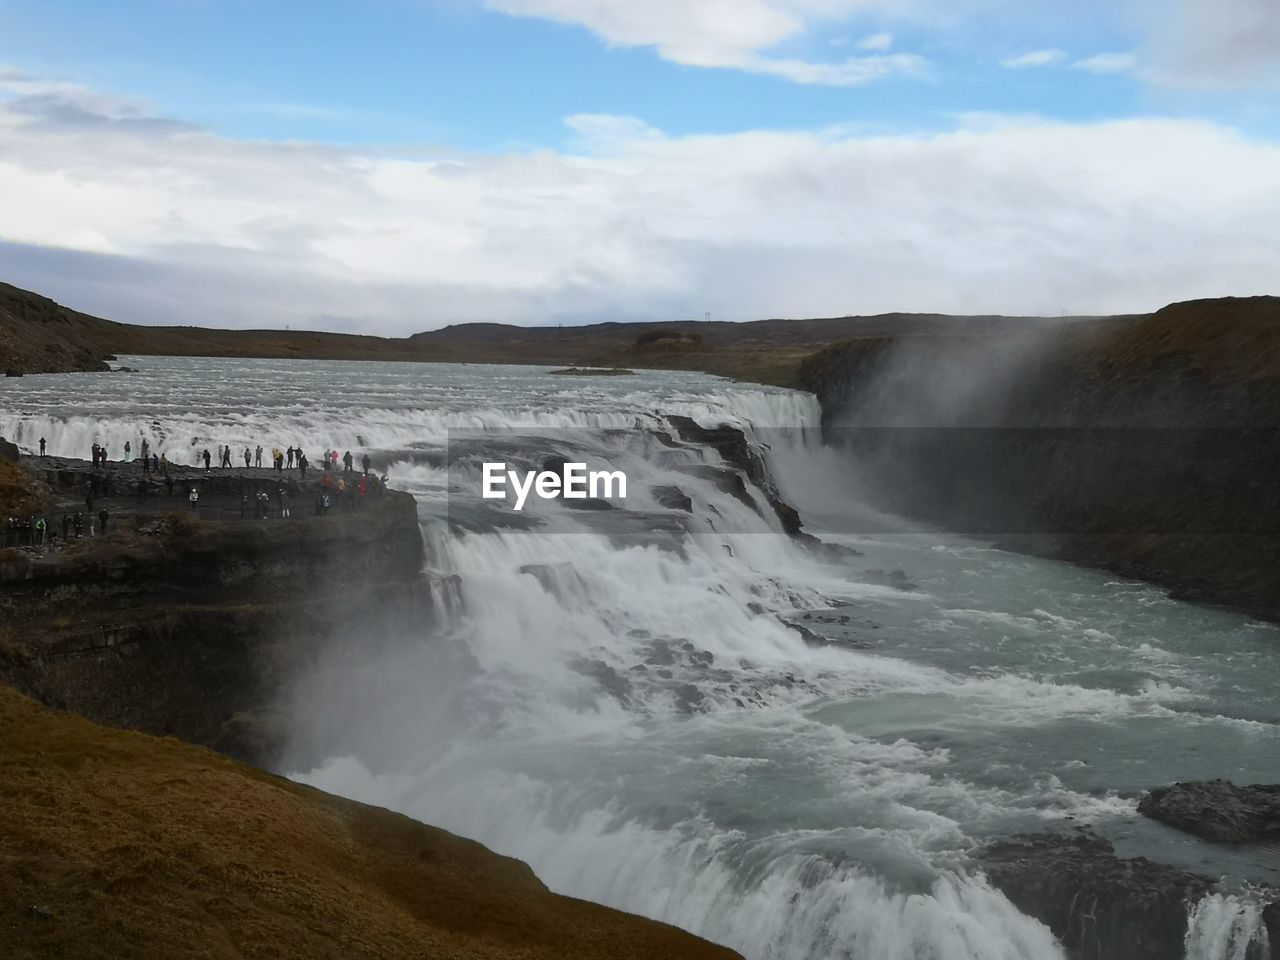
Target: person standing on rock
[(128, 452), (289, 453), (248, 458), (79, 525), (42, 446), (194, 498), (207, 458), (365, 463), (96, 448), (347, 460), (302, 465)]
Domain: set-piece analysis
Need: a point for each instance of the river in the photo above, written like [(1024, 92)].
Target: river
[(622, 699)]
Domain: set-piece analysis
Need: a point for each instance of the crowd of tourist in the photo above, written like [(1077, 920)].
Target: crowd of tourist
[(341, 487)]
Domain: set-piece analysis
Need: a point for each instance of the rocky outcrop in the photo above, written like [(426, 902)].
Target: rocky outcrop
[(9, 451), (1099, 905), (1217, 810), (188, 626), (734, 448)]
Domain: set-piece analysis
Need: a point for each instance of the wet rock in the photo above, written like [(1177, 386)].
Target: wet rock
[(1100, 905), (609, 678), (664, 674), (895, 578), (588, 504), (8, 451), (673, 498), (807, 635), (660, 655), (689, 698), (834, 551), (1217, 810), (734, 449), (814, 639), (557, 579)]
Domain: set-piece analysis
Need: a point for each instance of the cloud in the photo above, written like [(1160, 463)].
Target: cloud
[(171, 223), (1107, 63), (726, 33), (1214, 43), (877, 41), (1036, 58)]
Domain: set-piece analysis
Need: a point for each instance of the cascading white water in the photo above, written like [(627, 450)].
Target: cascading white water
[(1226, 927), (640, 719)]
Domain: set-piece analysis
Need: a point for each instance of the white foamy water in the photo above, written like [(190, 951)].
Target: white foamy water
[(617, 697)]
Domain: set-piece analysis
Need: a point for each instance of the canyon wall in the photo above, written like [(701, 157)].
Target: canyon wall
[(1144, 445)]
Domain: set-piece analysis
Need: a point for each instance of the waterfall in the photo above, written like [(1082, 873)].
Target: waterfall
[(1227, 927), (624, 697)]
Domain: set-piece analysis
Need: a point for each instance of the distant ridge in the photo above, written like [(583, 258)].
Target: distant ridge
[(38, 335)]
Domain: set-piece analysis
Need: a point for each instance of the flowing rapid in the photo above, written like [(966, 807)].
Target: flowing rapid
[(670, 706)]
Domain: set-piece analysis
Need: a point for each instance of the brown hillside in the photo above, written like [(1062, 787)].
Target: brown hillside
[(1233, 336), (118, 845)]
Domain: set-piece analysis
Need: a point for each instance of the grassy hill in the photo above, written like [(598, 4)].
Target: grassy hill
[(119, 845)]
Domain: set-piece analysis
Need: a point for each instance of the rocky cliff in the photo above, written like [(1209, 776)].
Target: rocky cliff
[(191, 625), (1144, 445)]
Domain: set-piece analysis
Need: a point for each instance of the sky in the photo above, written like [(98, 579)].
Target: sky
[(389, 166)]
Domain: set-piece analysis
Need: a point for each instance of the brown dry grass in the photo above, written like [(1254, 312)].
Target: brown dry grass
[(1224, 338), (141, 847)]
